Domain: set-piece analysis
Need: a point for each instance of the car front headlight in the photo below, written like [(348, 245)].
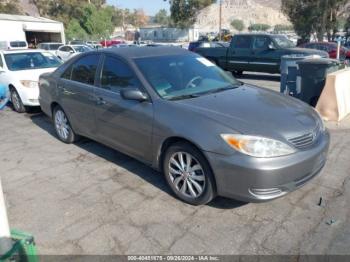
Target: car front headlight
[(256, 146), (29, 83)]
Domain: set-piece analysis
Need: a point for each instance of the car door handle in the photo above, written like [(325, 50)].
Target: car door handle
[(100, 101)]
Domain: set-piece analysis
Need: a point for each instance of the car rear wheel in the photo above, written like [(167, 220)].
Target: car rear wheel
[(188, 174), (63, 128), (17, 101)]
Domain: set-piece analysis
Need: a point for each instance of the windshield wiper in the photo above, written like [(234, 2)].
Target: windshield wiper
[(183, 97), (218, 90)]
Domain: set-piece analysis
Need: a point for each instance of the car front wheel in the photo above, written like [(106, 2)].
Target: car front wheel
[(188, 174), (17, 101), (63, 128)]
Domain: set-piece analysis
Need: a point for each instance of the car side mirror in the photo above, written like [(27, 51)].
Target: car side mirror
[(133, 94), (71, 51)]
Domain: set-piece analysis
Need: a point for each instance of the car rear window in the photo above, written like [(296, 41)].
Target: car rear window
[(18, 44)]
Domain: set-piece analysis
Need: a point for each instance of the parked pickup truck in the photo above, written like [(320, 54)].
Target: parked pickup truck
[(255, 52)]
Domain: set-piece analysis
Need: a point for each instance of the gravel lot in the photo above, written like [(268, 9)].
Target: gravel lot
[(89, 199)]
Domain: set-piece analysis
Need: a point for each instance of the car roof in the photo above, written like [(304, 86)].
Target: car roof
[(322, 43), (51, 43), (18, 51), (142, 52), (75, 45), (258, 34)]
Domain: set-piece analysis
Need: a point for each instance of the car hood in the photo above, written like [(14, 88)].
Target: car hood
[(256, 111), (306, 51), (33, 74)]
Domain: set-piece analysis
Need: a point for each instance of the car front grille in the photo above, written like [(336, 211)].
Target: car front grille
[(306, 140)]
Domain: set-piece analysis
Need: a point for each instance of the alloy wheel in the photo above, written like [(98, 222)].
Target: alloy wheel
[(186, 174), (15, 101), (62, 126)]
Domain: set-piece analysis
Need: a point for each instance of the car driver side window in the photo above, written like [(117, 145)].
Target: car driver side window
[(116, 75)]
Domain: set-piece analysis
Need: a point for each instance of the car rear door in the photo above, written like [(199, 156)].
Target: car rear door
[(124, 124), (265, 55), (239, 53), (76, 93)]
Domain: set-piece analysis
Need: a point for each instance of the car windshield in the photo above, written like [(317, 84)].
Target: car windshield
[(283, 42), (82, 48), (32, 60), (54, 46), (184, 76)]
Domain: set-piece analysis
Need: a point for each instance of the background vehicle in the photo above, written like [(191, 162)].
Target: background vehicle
[(68, 51), (13, 45), (76, 42), (205, 44), (108, 43), (50, 47), (331, 48), (123, 45), (20, 71), (254, 52), (154, 103), (93, 44)]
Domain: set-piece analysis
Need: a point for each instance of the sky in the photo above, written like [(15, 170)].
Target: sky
[(151, 7)]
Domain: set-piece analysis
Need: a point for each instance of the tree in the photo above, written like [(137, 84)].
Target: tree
[(97, 22), (162, 17), (139, 18), (9, 7), (259, 27), (282, 28), (184, 12), (238, 25), (309, 16), (75, 31)]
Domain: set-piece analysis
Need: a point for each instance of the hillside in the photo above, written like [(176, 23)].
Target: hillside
[(250, 11), (28, 8)]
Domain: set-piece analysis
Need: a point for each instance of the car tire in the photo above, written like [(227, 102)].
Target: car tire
[(17, 101), (62, 126), (192, 181)]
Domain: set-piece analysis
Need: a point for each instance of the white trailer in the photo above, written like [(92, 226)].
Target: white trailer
[(34, 30), (166, 34)]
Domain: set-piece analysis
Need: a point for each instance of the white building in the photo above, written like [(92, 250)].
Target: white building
[(165, 34), (31, 29)]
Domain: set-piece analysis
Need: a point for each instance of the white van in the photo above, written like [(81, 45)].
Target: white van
[(13, 45)]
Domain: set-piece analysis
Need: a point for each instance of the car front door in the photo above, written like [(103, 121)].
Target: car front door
[(76, 92), (266, 57), (125, 124), (239, 53)]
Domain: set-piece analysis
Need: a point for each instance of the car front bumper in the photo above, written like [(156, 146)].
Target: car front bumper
[(261, 179), (29, 96)]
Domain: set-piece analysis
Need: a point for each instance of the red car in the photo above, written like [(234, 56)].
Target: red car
[(330, 48), (108, 43)]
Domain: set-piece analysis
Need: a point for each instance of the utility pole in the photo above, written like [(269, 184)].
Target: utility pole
[(220, 20)]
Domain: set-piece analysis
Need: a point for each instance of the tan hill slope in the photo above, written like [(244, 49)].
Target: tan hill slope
[(250, 11)]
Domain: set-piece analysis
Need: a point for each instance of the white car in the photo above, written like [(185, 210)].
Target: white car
[(50, 47), (20, 71), (68, 51)]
